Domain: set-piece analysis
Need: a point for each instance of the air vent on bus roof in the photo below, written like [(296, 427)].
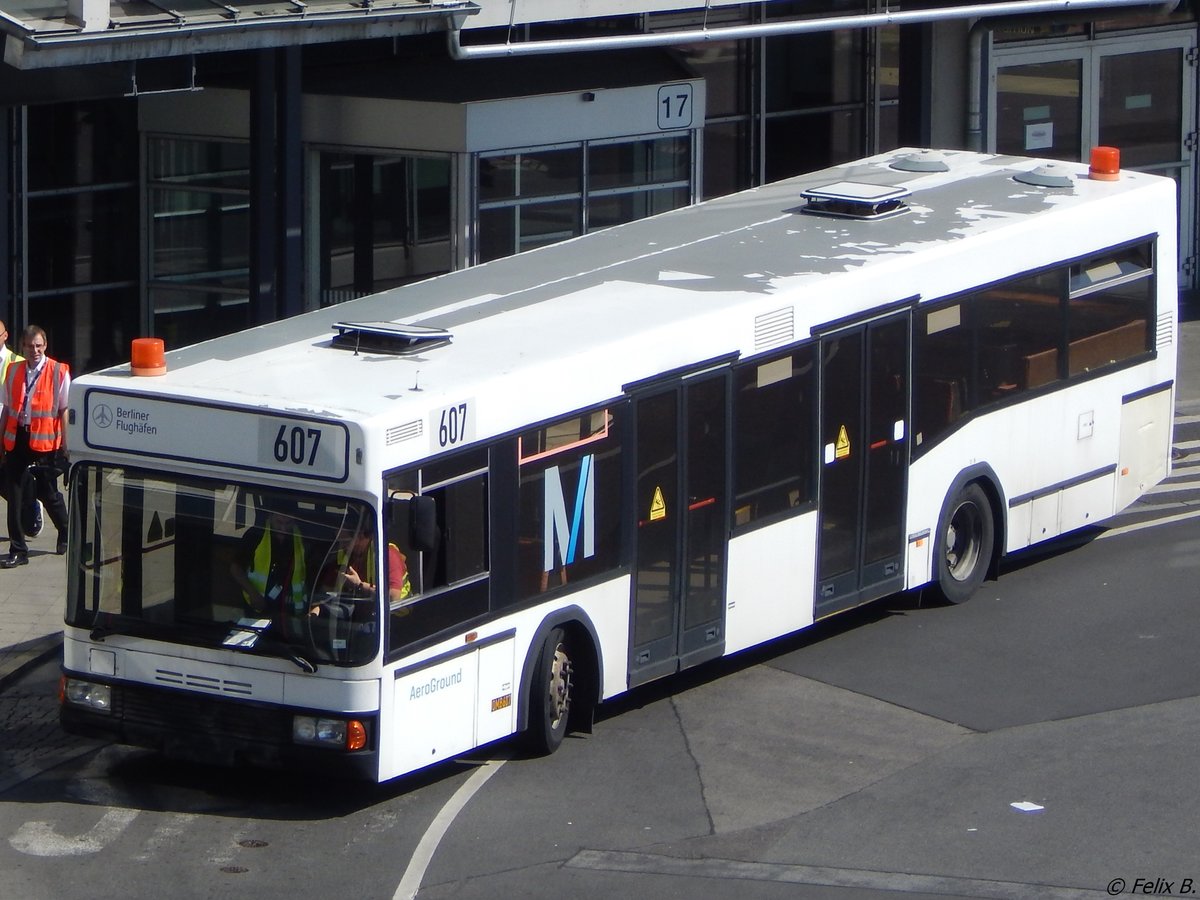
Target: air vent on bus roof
[(387, 337), (856, 200), (924, 161)]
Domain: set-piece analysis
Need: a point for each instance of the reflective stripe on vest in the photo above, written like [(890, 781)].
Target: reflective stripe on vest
[(6, 361), (45, 433), (260, 568)]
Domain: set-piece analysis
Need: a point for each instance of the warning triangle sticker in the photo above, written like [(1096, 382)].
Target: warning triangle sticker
[(841, 450), (658, 506)]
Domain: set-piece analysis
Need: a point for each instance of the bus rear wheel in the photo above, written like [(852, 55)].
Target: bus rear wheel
[(965, 552), (550, 697)]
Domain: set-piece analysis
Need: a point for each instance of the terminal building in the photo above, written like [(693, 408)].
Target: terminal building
[(188, 168)]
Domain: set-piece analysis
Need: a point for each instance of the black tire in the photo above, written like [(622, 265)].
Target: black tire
[(550, 694), (966, 536)]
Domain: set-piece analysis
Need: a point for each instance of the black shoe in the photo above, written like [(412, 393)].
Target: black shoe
[(61, 548), (13, 560)]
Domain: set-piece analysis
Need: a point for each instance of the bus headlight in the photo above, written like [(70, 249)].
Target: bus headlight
[(322, 732), (97, 697)]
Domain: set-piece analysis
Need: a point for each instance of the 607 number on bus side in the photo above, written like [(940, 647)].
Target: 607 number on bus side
[(454, 424)]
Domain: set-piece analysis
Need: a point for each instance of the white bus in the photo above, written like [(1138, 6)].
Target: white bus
[(604, 461)]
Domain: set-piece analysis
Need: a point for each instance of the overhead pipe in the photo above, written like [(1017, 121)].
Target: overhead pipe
[(774, 29)]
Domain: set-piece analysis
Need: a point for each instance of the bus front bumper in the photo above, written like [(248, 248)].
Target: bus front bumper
[(210, 730)]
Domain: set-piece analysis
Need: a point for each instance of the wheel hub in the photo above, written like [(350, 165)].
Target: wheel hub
[(560, 685)]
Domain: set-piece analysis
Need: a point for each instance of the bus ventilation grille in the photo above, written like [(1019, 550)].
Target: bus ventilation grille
[(206, 683), (1165, 333), (774, 328), (399, 433)]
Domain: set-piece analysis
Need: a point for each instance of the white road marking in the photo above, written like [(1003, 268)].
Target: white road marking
[(1150, 523), (40, 838), (423, 855), (166, 835), (1164, 487)]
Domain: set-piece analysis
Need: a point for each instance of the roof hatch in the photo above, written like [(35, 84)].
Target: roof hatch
[(856, 200), (387, 337)]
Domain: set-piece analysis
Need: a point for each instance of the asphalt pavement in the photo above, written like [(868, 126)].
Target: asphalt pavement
[(32, 597), (32, 602)]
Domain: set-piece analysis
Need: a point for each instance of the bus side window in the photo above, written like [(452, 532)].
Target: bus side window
[(941, 369), (569, 496), (447, 567), (1110, 308), (1019, 328), (773, 436)]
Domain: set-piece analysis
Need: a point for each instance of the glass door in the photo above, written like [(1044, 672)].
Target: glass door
[(864, 471), (682, 526), (1133, 92), (1039, 109)]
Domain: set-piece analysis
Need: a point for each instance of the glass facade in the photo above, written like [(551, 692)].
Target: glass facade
[(537, 196), (80, 265), (729, 139), (784, 105), (815, 95), (97, 259), (198, 193), (383, 221)]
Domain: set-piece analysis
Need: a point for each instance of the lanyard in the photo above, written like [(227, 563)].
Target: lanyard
[(30, 384)]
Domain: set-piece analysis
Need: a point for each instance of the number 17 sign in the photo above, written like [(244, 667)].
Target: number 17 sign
[(675, 106)]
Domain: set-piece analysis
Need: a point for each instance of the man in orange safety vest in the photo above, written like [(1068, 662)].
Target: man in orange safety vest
[(34, 428)]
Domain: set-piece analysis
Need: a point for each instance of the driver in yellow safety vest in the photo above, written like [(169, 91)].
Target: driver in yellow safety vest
[(271, 568)]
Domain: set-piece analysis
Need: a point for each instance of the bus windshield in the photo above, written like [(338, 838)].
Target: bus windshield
[(216, 564)]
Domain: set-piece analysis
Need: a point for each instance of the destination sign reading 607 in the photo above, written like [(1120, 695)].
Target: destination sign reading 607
[(221, 436)]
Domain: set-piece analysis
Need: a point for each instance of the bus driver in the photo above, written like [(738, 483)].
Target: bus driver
[(271, 568)]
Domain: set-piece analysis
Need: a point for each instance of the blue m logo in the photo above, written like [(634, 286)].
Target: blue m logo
[(561, 533)]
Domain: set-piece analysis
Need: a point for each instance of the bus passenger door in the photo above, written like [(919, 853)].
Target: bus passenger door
[(864, 466), (678, 616)]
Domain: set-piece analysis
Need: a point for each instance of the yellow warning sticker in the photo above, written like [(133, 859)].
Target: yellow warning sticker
[(841, 450), (658, 506)]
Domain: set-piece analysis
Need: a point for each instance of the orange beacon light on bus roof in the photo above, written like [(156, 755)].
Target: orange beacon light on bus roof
[(1105, 164), (147, 357)]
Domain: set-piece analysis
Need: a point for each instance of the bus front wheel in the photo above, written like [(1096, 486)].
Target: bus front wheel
[(550, 697), (966, 539)]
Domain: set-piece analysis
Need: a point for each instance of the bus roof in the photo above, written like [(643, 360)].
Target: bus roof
[(568, 325)]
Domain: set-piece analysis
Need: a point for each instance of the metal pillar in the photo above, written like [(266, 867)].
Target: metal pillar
[(276, 187)]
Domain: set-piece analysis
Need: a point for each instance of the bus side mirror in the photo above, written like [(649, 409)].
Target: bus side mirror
[(422, 523), (416, 516)]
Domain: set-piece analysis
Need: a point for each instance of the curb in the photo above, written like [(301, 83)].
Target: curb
[(20, 658)]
